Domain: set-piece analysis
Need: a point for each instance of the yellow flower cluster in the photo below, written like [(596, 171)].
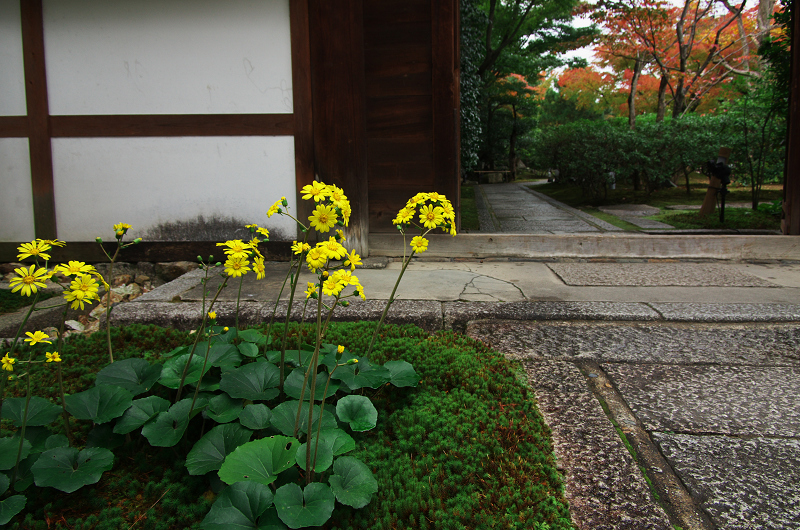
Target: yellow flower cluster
[(332, 207), (434, 211), (239, 253)]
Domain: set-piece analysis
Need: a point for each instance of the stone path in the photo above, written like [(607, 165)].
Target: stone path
[(515, 208), (711, 412)]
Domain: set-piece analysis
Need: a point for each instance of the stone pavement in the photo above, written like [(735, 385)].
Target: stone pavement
[(670, 387)]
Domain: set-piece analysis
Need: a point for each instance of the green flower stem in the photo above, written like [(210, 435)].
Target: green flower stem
[(308, 371), (321, 410), (108, 297), (295, 280), (389, 303), (24, 419), (59, 348), (238, 298), (197, 337), (22, 326), (200, 381)]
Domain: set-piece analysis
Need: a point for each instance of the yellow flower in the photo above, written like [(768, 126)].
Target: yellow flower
[(121, 226), (212, 315), (449, 212), (340, 348), (323, 218), (352, 260), (333, 248), (312, 290), (331, 287), (315, 190), (53, 357), (346, 211), (74, 267), (35, 249), (299, 248), (29, 280), (435, 197), (226, 329), (275, 208), (78, 298), (404, 216), (236, 248), (85, 283), (258, 268), (53, 242), (431, 216), (316, 258), (360, 291), (419, 244), (453, 229), (36, 337), (340, 236), (263, 231), (237, 265), (8, 363), (416, 199)]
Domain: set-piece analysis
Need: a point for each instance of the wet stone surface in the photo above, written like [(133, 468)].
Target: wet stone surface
[(604, 487), (736, 400), (641, 342), (655, 275), (743, 484)]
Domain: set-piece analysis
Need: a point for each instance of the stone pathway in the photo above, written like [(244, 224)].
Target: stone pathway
[(515, 208), (711, 412)]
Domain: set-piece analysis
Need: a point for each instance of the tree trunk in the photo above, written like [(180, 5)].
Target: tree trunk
[(662, 98), (637, 71), (512, 147), (679, 101)]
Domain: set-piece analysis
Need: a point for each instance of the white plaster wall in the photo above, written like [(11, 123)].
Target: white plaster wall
[(147, 181), (168, 56), (12, 69), (16, 199)]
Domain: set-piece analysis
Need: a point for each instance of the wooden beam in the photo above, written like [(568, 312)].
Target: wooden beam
[(152, 251), (101, 126), (444, 25), (302, 104), (13, 126), (339, 103), (44, 206), (791, 188)]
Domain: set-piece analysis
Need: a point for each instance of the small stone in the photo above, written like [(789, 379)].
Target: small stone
[(141, 279), (74, 324), (8, 268), (174, 270), (123, 279)]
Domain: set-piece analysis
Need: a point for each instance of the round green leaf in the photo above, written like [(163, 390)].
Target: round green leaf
[(56, 440), (293, 357), (248, 349), (285, 414), (9, 446), (173, 370), (10, 507), (67, 469), (226, 356), (238, 507), (352, 482), (169, 426), (259, 460), (293, 385), (254, 336), (134, 375), (324, 456), (223, 409), (5, 482), (139, 413), (38, 437), (301, 508), (358, 411), (40, 411), (255, 381), (339, 441), (100, 404), (402, 373), (362, 375), (255, 416), (210, 451)]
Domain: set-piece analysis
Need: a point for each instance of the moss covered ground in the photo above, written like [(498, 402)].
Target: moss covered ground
[(467, 448)]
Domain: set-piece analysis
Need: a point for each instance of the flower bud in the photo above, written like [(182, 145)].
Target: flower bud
[(351, 361), (137, 240), (211, 258), (200, 259), (99, 240)]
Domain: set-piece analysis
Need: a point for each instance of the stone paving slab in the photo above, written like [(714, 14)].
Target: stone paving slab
[(735, 400), (457, 315), (641, 342), (710, 312), (604, 487), (186, 315), (743, 484), (655, 275)]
